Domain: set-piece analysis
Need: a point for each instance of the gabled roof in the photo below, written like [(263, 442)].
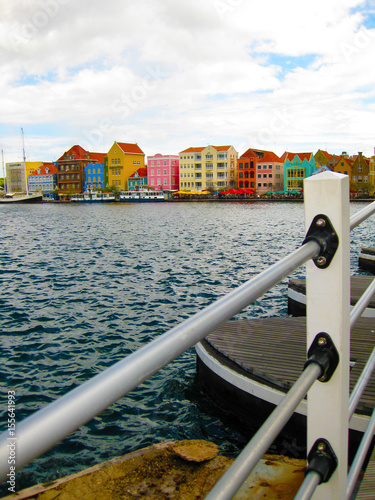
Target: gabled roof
[(51, 167), (142, 172), (130, 148), (325, 153), (349, 161), (81, 154), (78, 152), (269, 156), (302, 156)]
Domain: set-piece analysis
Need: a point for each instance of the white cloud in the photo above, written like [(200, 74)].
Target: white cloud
[(168, 74)]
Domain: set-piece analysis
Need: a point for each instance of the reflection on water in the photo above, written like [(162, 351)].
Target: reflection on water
[(84, 286)]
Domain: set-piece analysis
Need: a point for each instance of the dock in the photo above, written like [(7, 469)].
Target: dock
[(249, 365), (297, 295), (184, 470)]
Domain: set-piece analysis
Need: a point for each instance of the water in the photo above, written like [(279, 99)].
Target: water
[(83, 286)]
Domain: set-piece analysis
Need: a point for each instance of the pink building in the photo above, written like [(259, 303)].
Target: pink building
[(163, 172)]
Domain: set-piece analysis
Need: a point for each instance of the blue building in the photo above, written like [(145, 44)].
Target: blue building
[(43, 180), (297, 166), (138, 179), (94, 176)]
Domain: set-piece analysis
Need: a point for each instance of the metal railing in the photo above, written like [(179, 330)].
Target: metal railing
[(329, 251)]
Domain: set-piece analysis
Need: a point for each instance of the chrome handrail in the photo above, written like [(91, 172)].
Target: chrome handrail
[(48, 426)]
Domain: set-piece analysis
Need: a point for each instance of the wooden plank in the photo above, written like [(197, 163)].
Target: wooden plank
[(367, 486), (274, 349), (358, 285)]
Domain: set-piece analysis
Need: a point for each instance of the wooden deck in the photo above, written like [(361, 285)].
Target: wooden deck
[(274, 351), (358, 285)]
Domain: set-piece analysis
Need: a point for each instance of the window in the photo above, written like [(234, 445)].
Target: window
[(165, 171)]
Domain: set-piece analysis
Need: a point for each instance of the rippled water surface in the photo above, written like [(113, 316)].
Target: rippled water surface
[(83, 286)]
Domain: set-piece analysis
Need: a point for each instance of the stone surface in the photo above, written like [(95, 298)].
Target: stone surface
[(158, 472), (196, 450)]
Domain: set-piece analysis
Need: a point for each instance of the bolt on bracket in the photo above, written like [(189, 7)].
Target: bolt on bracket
[(322, 460), (324, 353), (322, 231)]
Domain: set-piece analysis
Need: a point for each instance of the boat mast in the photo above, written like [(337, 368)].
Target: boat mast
[(24, 161)]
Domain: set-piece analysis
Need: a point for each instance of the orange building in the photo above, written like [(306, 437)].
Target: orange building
[(260, 170)]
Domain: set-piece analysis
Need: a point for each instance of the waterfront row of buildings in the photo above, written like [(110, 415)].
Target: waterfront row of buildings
[(196, 169)]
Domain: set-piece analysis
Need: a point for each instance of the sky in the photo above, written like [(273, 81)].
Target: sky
[(291, 75)]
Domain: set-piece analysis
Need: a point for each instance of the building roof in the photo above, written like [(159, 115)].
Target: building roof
[(51, 167), (81, 154), (325, 153), (130, 148), (142, 172), (78, 152), (302, 156), (200, 149), (99, 157), (266, 155)]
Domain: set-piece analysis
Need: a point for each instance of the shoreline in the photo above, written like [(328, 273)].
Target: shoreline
[(204, 200)]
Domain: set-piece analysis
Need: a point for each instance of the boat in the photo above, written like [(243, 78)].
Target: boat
[(93, 197), (142, 195), (366, 259), (20, 197)]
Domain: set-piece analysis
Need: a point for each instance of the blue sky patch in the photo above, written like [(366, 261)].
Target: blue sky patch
[(289, 63)]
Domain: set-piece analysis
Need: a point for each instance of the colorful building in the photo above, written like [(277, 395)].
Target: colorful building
[(43, 179), (138, 179), (123, 160), (163, 172), (322, 158), (372, 173), (344, 165), (361, 174), (297, 166), (94, 176), (211, 167), (260, 170), (71, 169)]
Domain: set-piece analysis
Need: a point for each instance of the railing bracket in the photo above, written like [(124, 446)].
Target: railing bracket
[(323, 232), (322, 460), (323, 352)]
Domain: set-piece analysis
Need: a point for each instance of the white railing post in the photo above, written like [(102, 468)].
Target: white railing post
[(328, 300)]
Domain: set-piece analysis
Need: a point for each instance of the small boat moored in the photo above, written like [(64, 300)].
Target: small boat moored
[(366, 259), (92, 197), (142, 195)]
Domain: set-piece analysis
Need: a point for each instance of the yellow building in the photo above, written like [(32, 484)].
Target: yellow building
[(372, 174), (211, 167), (123, 160)]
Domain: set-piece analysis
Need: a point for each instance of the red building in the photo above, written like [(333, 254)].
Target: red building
[(71, 168), (260, 170)]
